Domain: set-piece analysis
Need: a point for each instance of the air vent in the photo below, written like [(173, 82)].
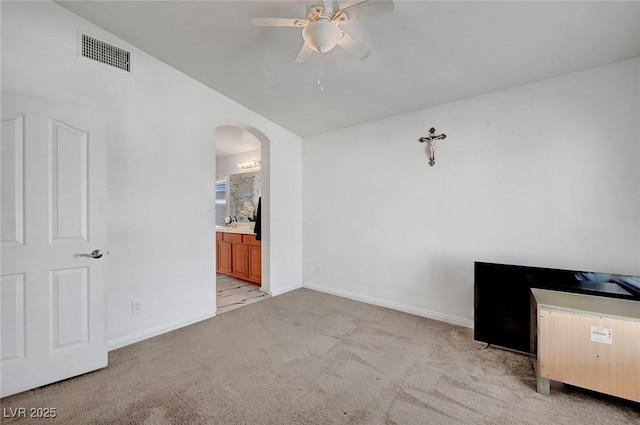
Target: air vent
[(106, 53)]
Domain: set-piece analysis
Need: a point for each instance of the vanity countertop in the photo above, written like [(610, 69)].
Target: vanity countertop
[(241, 230)]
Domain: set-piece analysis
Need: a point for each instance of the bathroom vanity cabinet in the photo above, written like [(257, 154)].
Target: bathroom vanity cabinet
[(239, 255)]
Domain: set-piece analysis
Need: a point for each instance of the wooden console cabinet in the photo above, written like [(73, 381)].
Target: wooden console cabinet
[(239, 255), (587, 341)]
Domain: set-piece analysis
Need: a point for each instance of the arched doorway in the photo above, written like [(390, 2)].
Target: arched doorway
[(238, 143)]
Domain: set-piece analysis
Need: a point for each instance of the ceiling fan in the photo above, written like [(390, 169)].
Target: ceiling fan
[(321, 29)]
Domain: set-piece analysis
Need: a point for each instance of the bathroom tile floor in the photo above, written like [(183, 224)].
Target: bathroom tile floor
[(234, 293)]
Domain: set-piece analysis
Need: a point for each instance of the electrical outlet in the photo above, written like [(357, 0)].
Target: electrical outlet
[(318, 268), (136, 307)]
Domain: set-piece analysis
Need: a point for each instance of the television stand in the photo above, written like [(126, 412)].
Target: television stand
[(585, 340)]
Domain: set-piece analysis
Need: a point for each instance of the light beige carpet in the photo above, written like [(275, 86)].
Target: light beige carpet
[(310, 358)]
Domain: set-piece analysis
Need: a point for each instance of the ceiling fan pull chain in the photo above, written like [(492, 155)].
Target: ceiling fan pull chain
[(320, 71)]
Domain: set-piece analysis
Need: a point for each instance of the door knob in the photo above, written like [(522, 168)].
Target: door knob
[(96, 253)]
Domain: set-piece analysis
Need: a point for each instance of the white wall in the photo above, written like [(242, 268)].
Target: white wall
[(161, 169), (227, 165), (543, 175)]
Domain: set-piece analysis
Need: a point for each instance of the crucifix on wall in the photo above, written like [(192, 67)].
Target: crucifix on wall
[(430, 139)]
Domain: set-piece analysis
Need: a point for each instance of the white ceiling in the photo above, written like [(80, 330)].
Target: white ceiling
[(423, 53)]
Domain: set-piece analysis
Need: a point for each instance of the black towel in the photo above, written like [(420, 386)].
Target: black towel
[(258, 227)]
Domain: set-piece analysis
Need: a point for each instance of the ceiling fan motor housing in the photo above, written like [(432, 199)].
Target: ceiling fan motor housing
[(321, 35)]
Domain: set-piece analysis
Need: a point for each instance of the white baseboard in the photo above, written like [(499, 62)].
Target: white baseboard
[(280, 292), (158, 330), (454, 320)]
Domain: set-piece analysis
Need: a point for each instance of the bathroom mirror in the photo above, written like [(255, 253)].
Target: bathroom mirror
[(244, 190)]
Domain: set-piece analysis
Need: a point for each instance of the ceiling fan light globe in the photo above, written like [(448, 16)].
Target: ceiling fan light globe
[(321, 35)]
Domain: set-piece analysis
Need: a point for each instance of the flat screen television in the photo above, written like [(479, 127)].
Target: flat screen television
[(502, 297)]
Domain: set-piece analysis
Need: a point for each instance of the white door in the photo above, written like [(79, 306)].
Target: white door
[(53, 206)]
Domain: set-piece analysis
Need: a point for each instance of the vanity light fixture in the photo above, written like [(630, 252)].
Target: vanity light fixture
[(249, 164)]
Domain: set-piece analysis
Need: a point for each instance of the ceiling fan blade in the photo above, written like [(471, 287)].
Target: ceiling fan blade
[(349, 44), (304, 54), (367, 7), (331, 5), (277, 22)]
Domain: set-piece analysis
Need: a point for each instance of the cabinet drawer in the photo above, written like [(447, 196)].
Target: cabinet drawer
[(232, 237), (250, 240)]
